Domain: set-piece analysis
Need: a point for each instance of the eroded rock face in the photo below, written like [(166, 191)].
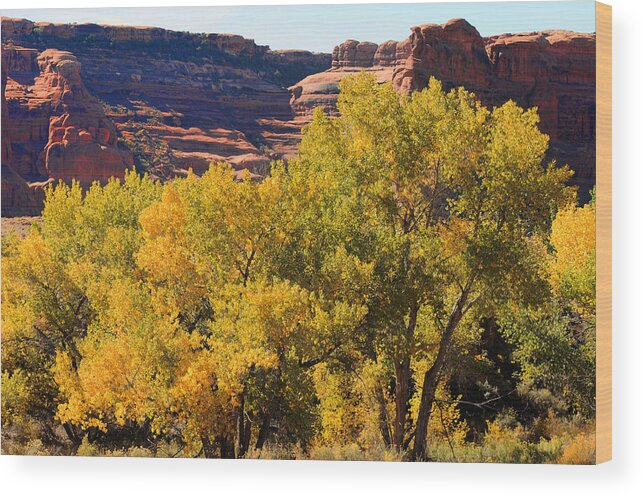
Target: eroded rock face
[(452, 52), (54, 127), (77, 94), (16, 28), (82, 141), (190, 98), (390, 52), (18, 197), (321, 89), (558, 70), (354, 53), (552, 70)]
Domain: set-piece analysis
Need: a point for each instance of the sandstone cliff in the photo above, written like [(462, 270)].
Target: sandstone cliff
[(55, 128), (82, 98), (87, 101), (18, 198), (553, 70)]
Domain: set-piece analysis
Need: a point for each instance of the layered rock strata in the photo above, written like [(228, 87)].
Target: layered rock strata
[(88, 101), (53, 127), (552, 70)]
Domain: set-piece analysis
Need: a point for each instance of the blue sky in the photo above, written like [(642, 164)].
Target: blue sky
[(321, 27)]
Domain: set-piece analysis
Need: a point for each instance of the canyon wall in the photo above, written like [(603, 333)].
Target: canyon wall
[(86, 101), (18, 198), (553, 70), (54, 128)]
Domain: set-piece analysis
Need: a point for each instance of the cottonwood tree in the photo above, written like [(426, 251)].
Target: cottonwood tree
[(202, 336), (236, 230), (447, 203), (555, 344), (50, 279), (214, 310)]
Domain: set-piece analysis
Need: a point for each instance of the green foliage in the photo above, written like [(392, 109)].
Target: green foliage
[(556, 354), (447, 204), (556, 343), (151, 155), (16, 397), (317, 313), (573, 267)]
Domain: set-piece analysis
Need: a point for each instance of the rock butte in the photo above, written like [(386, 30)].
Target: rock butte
[(73, 93), (553, 70)]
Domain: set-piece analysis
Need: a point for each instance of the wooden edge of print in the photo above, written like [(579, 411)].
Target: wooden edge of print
[(604, 232)]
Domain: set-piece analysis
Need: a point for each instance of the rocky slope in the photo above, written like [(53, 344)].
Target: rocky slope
[(165, 100), (18, 198), (87, 101), (553, 70), (55, 129)]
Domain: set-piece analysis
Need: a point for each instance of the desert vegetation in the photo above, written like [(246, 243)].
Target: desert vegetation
[(417, 284)]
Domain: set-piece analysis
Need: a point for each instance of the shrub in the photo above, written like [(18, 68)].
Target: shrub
[(581, 450)]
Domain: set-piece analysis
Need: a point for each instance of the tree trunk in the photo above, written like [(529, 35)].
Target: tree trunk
[(402, 373), (246, 436), (209, 449), (264, 430), (432, 376), (241, 428), (72, 434), (426, 405), (385, 428), (402, 378), (226, 447)]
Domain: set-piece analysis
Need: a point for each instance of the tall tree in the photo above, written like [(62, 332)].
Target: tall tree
[(448, 202), (201, 334), (555, 344)]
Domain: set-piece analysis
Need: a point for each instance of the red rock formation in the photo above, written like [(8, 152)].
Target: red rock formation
[(57, 129), (298, 57), (232, 44), (454, 51), (350, 57), (53, 128), (199, 98), (557, 70), (390, 52), (552, 70), (18, 198), (353, 53), (321, 89), (13, 29), (82, 141)]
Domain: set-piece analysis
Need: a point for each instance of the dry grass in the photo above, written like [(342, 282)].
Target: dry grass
[(581, 450), (19, 225)]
